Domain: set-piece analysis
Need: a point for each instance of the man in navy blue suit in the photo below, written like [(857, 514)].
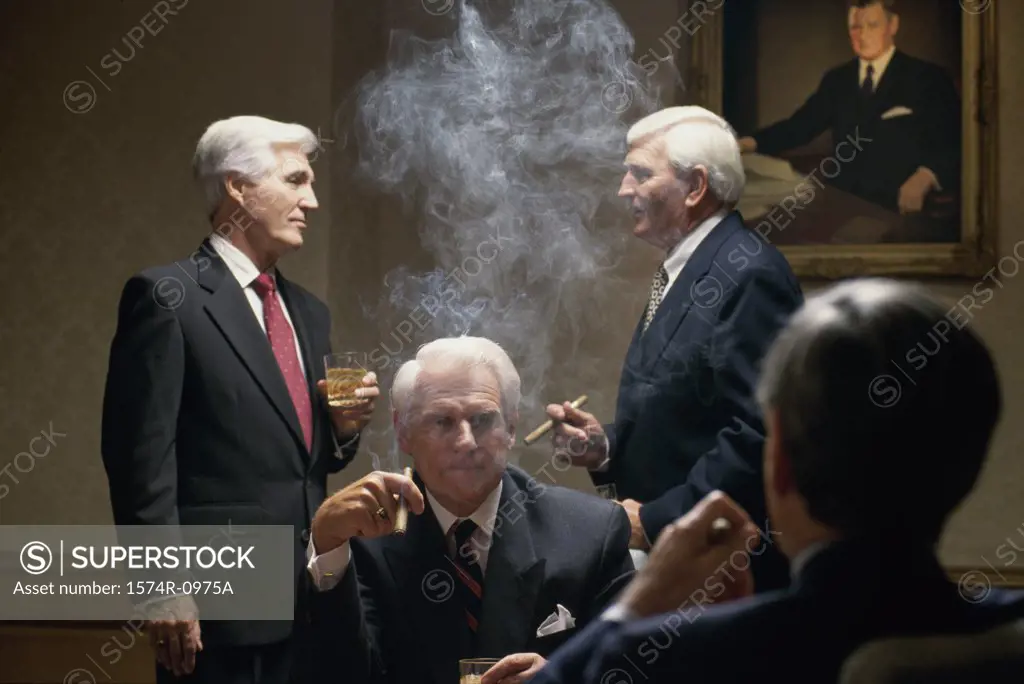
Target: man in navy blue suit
[(686, 422), (880, 407)]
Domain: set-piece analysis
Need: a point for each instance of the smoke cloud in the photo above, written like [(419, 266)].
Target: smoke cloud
[(506, 140)]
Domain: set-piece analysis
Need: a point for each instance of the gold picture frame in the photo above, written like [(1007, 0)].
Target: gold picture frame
[(976, 252)]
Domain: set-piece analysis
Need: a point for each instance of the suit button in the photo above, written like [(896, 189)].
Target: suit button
[(305, 536)]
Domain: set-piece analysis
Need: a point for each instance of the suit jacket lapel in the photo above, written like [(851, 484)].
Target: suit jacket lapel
[(513, 579), (696, 278), (231, 312), (423, 575)]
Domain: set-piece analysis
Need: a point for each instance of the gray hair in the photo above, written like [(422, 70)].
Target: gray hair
[(243, 145), (886, 404), (705, 139), (457, 352)]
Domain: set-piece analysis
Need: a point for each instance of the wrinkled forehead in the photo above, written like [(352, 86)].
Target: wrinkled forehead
[(649, 151), (871, 13), (291, 159), (457, 389)]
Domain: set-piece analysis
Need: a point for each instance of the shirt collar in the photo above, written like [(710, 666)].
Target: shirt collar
[(682, 252), (241, 266), (879, 63), (484, 516)]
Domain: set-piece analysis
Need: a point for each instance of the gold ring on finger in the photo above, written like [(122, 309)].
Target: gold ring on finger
[(382, 514)]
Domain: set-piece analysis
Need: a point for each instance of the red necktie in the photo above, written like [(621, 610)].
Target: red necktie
[(468, 570), (282, 341)]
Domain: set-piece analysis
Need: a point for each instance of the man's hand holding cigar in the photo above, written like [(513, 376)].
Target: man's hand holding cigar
[(701, 558), (578, 436), (367, 508)]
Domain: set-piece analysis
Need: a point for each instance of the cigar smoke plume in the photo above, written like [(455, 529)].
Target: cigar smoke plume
[(505, 141)]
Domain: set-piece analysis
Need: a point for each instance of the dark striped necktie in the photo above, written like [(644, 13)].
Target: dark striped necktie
[(467, 568)]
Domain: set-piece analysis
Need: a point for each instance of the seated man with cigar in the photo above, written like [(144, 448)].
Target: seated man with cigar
[(493, 563), (861, 475)]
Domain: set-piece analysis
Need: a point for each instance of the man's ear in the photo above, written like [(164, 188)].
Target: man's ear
[(698, 186), (894, 24), (403, 441), (778, 467), (234, 186)]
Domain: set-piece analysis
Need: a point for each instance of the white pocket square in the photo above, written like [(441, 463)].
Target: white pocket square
[(897, 111), (559, 621)]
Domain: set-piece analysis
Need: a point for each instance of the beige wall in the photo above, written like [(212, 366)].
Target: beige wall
[(87, 199)]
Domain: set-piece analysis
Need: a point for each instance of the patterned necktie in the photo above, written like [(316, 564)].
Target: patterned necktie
[(467, 568), (282, 341), (657, 294), (867, 88)]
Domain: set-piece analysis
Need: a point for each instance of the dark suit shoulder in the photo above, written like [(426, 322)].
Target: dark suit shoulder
[(561, 514), (915, 65), (744, 256)]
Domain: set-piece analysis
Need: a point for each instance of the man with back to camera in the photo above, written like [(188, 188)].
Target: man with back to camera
[(861, 475), (213, 413), (686, 422), (901, 113), (493, 564)]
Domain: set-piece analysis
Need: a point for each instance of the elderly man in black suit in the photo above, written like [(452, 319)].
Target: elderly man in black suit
[(493, 564), (686, 422), (861, 475), (214, 411), (896, 116)]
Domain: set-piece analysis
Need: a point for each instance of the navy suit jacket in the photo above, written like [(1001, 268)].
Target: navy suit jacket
[(878, 154), (395, 618), (686, 421), (848, 594)]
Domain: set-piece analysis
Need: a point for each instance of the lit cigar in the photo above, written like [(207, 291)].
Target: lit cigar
[(546, 427), (402, 517), (720, 529)]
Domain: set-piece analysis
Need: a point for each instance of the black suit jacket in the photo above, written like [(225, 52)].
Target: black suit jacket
[(394, 617), (686, 421), (198, 425), (847, 595), (878, 154)]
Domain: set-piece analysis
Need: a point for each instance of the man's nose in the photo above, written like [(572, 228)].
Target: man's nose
[(465, 438), (627, 187), (308, 200)]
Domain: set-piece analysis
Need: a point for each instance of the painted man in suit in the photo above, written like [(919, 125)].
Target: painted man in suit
[(860, 479), (900, 116), (213, 412), (686, 422), (493, 564)]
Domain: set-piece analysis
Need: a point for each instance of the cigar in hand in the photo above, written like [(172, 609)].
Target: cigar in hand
[(544, 428), (402, 517)]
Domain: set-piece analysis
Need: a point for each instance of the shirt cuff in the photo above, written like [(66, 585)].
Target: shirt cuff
[(935, 179), (327, 569), (338, 453), (618, 613)]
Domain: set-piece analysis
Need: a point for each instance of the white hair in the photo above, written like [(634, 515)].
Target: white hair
[(243, 145), (458, 352), (706, 140)]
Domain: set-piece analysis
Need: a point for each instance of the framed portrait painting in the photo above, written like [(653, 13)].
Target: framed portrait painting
[(868, 128)]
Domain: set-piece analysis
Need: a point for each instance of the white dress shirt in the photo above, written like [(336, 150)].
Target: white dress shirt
[(879, 63), (681, 253), (246, 272), (328, 569)]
